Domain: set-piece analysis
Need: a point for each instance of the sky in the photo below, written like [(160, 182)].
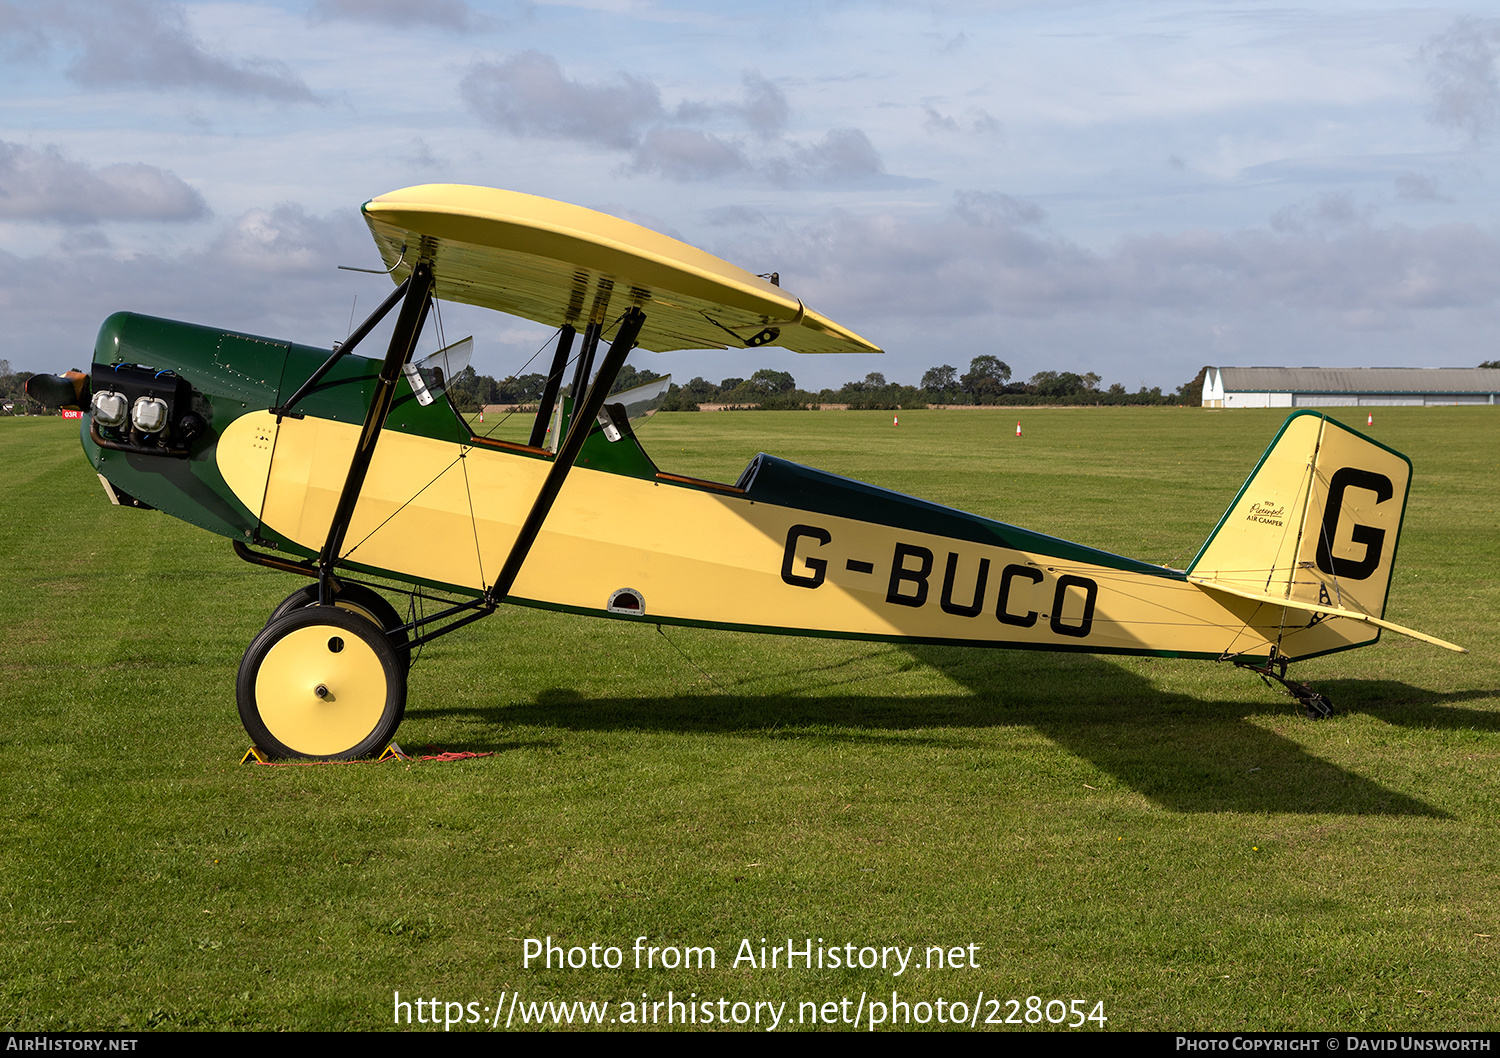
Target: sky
[(1133, 189)]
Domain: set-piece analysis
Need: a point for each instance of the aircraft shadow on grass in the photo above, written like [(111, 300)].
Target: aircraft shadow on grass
[(1184, 753)]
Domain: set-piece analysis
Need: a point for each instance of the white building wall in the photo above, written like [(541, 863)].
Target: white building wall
[(1458, 398), (1247, 400), (1213, 389), (1325, 387)]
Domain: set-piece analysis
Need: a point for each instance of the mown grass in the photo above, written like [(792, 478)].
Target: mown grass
[(1168, 837)]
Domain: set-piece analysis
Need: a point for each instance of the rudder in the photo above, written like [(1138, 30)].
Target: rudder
[(1316, 522)]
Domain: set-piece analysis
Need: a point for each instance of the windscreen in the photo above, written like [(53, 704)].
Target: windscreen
[(640, 401), (430, 376)]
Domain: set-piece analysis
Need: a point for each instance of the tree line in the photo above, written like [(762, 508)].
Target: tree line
[(12, 391), (988, 381), (471, 391)]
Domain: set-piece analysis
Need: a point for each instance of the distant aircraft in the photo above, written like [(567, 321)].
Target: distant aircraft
[(341, 468)]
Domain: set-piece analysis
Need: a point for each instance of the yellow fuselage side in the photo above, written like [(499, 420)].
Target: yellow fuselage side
[(438, 512)]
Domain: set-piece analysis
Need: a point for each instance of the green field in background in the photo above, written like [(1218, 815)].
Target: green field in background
[(1169, 838)]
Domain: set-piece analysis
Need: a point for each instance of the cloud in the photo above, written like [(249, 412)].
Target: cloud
[(21, 30), (1461, 73), (283, 238), (842, 156), (269, 271), (980, 122), (985, 124), (935, 122), (686, 154), (985, 258), (444, 14), (765, 109), (83, 240), (993, 207), (420, 156), (1413, 187), (736, 216), (529, 95), (43, 185), (1327, 213), (1154, 305), (145, 44)]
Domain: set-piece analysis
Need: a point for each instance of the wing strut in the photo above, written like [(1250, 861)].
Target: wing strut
[(583, 368), (554, 381), (343, 348), (414, 305), (408, 328), (567, 453)]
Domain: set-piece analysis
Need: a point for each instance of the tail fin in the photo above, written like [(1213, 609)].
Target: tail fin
[(1316, 525)]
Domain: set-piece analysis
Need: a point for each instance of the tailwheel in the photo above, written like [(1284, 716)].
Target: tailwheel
[(354, 598), (321, 682)]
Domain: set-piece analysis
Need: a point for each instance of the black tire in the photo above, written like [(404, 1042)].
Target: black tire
[(323, 683), (356, 598)]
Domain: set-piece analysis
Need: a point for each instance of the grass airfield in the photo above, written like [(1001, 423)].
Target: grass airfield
[(1169, 838)]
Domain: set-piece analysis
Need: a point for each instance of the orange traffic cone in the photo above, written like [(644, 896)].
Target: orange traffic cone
[(1370, 419), (1018, 429), (895, 420)]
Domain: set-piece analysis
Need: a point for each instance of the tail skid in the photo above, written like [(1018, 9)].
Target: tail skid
[(1314, 704), (1315, 527)]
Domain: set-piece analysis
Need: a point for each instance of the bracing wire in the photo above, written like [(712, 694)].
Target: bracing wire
[(517, 373), (701, 671), (561, 373), (474, 525)]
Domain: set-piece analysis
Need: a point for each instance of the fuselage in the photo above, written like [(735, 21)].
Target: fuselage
[(785, 549)]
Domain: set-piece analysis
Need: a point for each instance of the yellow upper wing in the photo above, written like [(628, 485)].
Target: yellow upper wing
[(557, 263)]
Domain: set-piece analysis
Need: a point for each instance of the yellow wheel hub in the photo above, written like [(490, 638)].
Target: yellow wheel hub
[(320, 690)]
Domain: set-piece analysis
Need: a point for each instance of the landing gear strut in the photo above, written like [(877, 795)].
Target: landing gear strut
[(1313, 704)]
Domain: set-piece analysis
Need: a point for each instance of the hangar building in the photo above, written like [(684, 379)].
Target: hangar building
[(1335, 387)]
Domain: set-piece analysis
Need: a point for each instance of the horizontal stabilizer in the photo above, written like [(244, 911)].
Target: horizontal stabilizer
[(1331, 611)]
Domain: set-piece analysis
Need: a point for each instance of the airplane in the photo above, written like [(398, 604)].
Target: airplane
[(344, 469)]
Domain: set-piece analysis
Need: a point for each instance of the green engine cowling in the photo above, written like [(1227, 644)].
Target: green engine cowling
[(214, 376), (206, 378)]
